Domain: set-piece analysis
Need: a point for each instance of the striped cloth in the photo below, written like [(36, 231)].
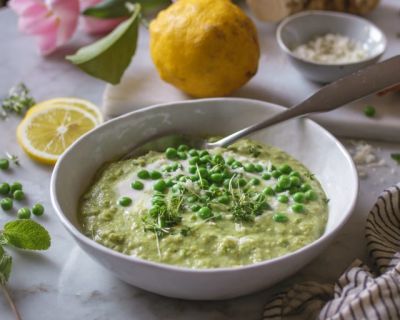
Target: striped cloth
[(358, 294)]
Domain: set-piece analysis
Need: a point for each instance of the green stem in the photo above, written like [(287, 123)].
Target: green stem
[(11, 302)]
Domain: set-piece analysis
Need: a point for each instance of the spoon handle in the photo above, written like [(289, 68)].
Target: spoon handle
[(334, 95)]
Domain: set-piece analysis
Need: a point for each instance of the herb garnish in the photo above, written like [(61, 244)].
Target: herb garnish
[(396, 157), (18, 101), (13, 158), (22, 234)]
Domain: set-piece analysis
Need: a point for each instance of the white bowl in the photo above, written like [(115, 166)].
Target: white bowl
[(302, 27), (302, 138)]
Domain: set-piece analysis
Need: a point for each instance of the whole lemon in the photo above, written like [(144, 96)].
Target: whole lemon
[(206, 48)]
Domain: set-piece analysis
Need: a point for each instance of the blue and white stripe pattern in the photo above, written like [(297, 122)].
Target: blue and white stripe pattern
[(358, 294)]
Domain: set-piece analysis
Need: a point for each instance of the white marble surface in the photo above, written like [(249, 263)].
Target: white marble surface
[(64, 283)]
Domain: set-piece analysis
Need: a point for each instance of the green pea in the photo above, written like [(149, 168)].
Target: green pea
[(4, 188), (369, 111), (230, 160), (191, 199), (38, 209), (249, 167), (24, 213), (266, 176), (223, 199), (299, 197), (216, 169), (205, 184), (311, 195), (217, 177), (255, 181), (182, 155), (278, 188), (285, 168), (158, 201), (18, 195), (169, 183), (295, 174), (298, 208), (171, 153), (276, 174), (268, 191), (194, 178), (125, 201), (192, 169), (280, 217), (294, 181), (137, 185), (194, 160), (205, 159), (204, 153), (218, 159), (203, 172), (204, 213), (177, 188), (258, 167), (283, 198), (305, 187), (154, 211), (160, 185), (4, 164), (284, 181), (143, 174), (183, 148), (293, 190), (195, 207), (15, 186), (6, 204), (193, 153), (236, 164), (155, 175), (241, 182)]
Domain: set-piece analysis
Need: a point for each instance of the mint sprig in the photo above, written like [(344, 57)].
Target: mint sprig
[(396, 157), (5, 266), (22, 234), (26, 234)]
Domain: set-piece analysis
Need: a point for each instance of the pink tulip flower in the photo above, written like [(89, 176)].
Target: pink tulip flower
[(53, 22), (97, 26)]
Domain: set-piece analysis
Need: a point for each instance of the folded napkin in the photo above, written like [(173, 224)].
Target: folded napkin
[(358, 294)]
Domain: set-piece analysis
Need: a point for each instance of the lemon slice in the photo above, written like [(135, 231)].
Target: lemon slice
[(73, 102), (47, 132)]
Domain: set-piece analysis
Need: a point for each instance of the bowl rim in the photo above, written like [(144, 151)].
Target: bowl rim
[(137, 260), (337, 15)]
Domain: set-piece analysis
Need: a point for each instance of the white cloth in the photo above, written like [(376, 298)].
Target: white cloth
[(359, 293)]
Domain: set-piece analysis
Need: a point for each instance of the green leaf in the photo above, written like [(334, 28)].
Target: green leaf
[(26, 234), (108, 9), (108, 58), (5, 266), (396, 157)]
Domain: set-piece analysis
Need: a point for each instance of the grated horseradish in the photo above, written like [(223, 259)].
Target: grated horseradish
[(331, 48)]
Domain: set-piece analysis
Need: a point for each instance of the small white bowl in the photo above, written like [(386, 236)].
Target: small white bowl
[(302, 138), (300, 28)]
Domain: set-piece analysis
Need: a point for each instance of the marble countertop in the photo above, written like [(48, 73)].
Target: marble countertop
[(64, 283)]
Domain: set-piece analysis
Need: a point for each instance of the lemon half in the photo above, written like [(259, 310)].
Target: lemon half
[(68, 101), (46, 132)]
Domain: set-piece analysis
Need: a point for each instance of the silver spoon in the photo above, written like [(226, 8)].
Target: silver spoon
[(332, 96)]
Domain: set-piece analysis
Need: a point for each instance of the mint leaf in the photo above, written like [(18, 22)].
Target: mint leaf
[(108, 9), (108, 58), (26, 234), (396, 157), (5, 266)]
